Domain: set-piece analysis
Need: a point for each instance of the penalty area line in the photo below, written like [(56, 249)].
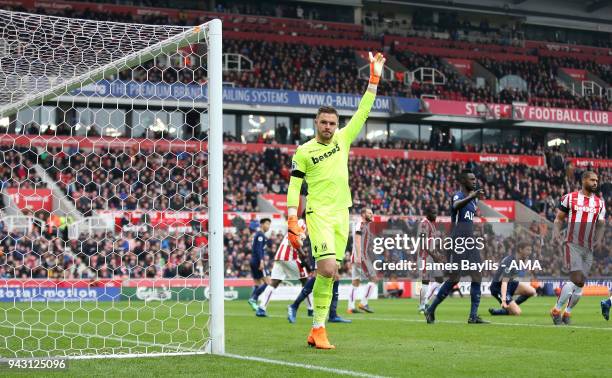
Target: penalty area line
[(303, 366)]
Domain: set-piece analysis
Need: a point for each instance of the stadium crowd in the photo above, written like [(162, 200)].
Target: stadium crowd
[(334, 69), (121, 179), (43, 253), (128, 179), (17, 168)]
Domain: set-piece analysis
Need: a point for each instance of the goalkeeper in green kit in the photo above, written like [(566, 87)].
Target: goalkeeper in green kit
[(323, 163)]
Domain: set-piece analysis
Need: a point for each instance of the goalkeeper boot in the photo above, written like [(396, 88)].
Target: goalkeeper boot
[(338, 319), (261, 313), (253, 304), (605, 308), (291, 314), (566, 318), (366, 308), (318, 338), (556, 316)]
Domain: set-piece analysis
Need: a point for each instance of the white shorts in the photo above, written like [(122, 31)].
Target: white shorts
[(288, 270), (578, 258), (426, 274)]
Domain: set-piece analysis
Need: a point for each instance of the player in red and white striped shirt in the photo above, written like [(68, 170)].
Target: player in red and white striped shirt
[(287, 266), (425, 258), (361, 270), (584, 213)]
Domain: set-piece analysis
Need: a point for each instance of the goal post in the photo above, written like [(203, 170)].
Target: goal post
[(215, 151), (111, 147)]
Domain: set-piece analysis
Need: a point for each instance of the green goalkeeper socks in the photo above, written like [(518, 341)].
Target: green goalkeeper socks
[(322, 294)]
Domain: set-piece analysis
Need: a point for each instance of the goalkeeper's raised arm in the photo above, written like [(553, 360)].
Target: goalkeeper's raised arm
[(326, 122), (323, 163)]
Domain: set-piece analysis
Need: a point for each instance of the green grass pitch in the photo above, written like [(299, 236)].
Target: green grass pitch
[(394, 341)]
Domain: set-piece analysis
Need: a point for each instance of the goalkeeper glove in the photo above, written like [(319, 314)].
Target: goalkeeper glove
[(295, 232), (376, 65)]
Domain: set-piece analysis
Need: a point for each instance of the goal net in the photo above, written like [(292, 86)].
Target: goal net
[(111, 188)]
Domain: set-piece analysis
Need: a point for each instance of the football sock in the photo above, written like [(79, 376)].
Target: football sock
[(423, 294), (575, 297), (322, 293), (445, 289), (309, 301), (306, 290), (433, 286), (258, 291), (500, 311), (564, 296), (254, 291), (367, 292), (334, 302), (475, 298), (351, 298), (521, 299), (266, 295)]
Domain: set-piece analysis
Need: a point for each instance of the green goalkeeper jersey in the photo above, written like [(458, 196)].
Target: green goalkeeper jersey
[(325, 166)]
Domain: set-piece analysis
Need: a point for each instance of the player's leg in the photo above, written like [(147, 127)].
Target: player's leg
[(265, 297), (512, 307), (333, 313), (355, 282), (366, 293), (473, 256), (257, 275), (524, 292), (572, 291), (434, 286), (578, 279), (280, 272), (304, 276), (323, 230), (423, 295), (305, 294), (605, 306), (475, 293), (443, 293)]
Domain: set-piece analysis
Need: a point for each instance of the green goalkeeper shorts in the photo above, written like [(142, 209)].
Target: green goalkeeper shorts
[(328, 232)]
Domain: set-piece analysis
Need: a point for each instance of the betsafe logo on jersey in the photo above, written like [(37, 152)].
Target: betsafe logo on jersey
[(315, 159)]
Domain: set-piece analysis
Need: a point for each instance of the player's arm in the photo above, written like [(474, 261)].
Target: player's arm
[(504, 291), (352, 129), (357, 243), (298, 172), (562, 211), (600, 227), (460, 203)]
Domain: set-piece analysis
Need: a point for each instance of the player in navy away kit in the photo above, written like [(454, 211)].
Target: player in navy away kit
[(504, 286), (463, 210), (258, 270)]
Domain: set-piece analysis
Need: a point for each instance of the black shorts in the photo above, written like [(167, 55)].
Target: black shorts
[(257, 273), (496, 290)]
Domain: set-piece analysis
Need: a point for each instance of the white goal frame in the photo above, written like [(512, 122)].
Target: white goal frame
[(212, 33)]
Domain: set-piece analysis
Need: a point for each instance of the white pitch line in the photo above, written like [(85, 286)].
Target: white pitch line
[(304, 366), (367, 317)]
